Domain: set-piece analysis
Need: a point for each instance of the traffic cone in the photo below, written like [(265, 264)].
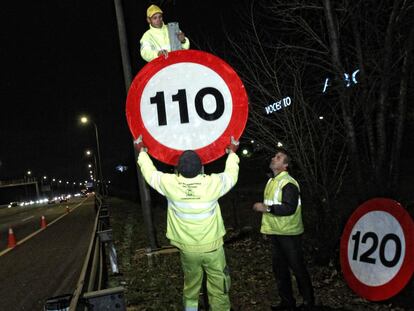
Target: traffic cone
[(11, 239), (43, 223)]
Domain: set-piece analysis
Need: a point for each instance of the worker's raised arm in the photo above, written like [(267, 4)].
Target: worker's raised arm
[(150, 173), (229, 177)]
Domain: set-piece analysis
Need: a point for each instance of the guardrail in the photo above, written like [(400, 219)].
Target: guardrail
[(18, 181), (91, 292)]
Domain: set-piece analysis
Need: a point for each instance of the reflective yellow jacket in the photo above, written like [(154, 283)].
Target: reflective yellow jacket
[(281, 225), (194, 221), (155, 40)]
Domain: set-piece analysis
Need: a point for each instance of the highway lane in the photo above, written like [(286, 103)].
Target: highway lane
[(25, 220), (49, 263)]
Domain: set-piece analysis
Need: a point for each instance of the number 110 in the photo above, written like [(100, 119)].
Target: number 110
[(181, 98)]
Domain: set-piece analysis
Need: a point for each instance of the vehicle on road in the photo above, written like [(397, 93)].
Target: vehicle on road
[(51, 200), (59, 199)]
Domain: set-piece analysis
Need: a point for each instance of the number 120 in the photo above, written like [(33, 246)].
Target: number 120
[(365, 257)]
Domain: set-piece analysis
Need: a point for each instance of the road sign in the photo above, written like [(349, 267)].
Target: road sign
[(189, 100), (377, 249)]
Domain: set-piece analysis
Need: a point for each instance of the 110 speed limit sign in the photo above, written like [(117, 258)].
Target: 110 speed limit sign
[(377, 249), (191, 100)]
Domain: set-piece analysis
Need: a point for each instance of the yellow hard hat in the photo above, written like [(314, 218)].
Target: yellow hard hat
[(153, 9)]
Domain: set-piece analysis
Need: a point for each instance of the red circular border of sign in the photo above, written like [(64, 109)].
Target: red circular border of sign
[(403, 276), (239, 100)]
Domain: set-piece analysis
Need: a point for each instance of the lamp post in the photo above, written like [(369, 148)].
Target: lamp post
[(26, 180), (28, 175), (88, 154), (85, 120), (126, 65), (44, 189), (52, 183)]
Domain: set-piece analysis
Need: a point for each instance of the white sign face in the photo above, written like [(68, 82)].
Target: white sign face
[(186, 116), (190, 100), (376, 248)]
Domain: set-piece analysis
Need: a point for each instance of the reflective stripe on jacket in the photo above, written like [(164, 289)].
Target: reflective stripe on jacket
[(155, 40), (282, 225), (194, 221)]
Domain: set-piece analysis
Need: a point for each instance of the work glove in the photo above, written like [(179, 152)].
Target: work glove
[(234, 145), (181, 37), (163, 52), (139, 144)]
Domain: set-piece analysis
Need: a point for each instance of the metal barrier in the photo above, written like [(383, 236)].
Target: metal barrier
[(91, 292)]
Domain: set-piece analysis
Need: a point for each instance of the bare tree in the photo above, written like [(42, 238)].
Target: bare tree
[(289, 49), (365, 48), (379, 41), (287, 106)]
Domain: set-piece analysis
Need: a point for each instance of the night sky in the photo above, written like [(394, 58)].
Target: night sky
[(61, 59)]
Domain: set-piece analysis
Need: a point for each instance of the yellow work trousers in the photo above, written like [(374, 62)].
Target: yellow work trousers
[(218, 279)]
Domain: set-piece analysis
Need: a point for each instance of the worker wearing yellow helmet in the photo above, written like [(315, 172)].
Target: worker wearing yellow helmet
[(156, 41), (194, 222)]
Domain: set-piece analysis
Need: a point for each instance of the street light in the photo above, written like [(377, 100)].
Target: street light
[(85, 120), (28, 175), (88, 154)]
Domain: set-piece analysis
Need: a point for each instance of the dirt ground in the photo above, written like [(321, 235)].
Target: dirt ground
[(153, 281)]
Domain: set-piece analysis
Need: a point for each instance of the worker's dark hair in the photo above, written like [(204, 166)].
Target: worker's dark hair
[(189, 164), (288, 159)]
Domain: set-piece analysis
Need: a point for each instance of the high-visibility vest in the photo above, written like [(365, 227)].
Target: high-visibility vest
[(194, 221), (281, 225), (155, 40)]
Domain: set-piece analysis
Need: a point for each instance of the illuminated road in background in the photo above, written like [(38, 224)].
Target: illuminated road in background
[(49, 263)]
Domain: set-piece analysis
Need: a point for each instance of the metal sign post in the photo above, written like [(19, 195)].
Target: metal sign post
[(143, 188), (173, 30)]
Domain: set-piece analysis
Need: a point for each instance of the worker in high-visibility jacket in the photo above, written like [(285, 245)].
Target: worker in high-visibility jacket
[(155, 41), (194, 222), (282, 221)]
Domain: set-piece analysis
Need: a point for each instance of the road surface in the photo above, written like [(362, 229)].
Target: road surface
[(49, 263)]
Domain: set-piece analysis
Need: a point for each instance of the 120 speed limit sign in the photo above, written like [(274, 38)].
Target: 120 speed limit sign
[(191, 100), (377, 249)]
